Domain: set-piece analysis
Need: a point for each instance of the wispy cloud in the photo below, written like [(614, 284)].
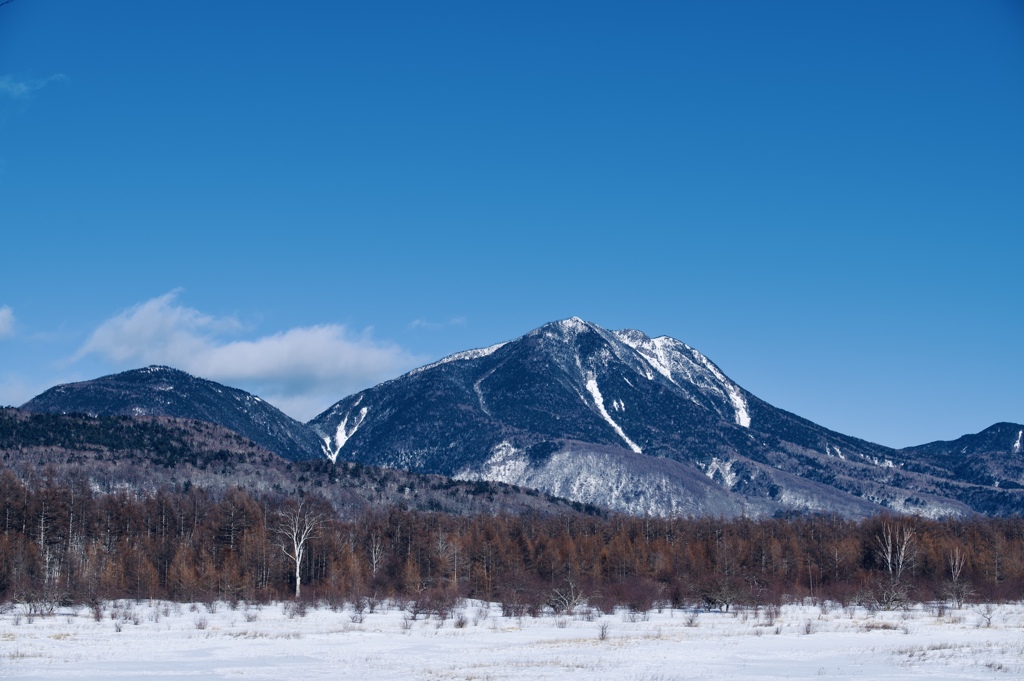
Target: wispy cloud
[(6, 322), (303, 370), (21, 88)]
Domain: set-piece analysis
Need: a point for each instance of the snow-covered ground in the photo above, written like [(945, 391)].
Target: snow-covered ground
[(167, 640)]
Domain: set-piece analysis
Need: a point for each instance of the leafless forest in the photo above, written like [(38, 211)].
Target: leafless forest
[(64, 542)]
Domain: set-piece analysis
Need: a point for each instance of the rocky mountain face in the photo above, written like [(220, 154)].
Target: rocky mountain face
[(163, 391), (636, 424)]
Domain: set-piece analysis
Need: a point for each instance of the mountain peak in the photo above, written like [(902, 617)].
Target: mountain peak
[(157, 368), (566, 327)]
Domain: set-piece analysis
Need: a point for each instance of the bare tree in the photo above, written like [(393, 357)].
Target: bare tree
[(568, 598), (897, 549), (448, 553), (957, 589), (294, 527), (376, 553)]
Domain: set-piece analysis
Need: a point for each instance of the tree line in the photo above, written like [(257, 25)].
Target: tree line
[(62, 540)]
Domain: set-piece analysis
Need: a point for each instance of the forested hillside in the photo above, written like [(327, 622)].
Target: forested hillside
[(140, 455)]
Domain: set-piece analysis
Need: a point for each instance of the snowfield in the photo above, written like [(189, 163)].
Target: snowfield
[(153, 639)]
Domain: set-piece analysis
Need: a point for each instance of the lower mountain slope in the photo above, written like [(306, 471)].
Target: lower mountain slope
[(635, 424), (141, 455)]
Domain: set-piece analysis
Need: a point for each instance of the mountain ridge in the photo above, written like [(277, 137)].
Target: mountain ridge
[(613, 418)]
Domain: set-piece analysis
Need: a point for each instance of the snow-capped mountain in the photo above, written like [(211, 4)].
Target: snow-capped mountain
[(612, 418), (163, 391), (621, 420)]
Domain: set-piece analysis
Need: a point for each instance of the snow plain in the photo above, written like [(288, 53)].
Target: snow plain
[(157, 640)]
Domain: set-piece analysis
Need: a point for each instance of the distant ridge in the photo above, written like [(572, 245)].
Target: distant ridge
[(164, 391), (995, 456)]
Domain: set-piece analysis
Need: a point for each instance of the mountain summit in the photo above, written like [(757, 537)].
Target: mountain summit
[(630, 422)]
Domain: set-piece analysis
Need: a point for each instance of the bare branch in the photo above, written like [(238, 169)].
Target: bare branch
[(897, 549)]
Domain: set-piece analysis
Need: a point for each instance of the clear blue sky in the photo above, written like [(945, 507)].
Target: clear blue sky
[(302, 199)]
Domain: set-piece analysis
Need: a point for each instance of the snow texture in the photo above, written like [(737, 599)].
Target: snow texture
[(627, 483), (574, 325), (1017, 445), (838, 452), (505, 464), (157, 640), (723, 469)]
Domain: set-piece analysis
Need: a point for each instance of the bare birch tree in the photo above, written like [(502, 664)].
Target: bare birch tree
[(294, 527), (897, 550), (448, 553), (957, 589), (376, 553)]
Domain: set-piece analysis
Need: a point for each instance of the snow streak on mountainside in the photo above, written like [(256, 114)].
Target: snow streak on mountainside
[(599, 403), (633, 423), (342, 434)]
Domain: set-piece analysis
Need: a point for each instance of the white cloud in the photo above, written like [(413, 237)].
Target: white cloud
[(20, 89), (6, 322), (301, 370)]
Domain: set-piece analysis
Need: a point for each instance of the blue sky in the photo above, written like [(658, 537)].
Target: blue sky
[(827, 199)]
